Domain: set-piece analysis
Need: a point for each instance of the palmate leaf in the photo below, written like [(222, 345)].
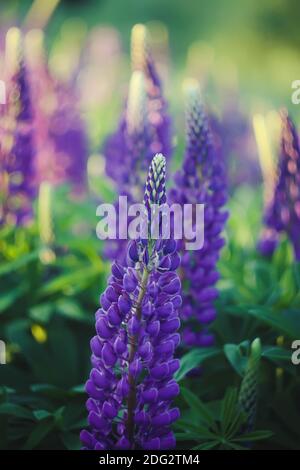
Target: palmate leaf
[(207, 445), (188, 436), (254, 436), (200, 430), (229, 410), (233, 446), (198, 407), (193, 359), (285, 322)]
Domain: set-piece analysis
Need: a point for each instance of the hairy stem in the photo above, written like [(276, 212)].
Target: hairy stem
[(131, 404)]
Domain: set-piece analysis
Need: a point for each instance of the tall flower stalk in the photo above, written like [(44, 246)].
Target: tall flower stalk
[(127, 151), (131, 385), (282, 215), (269, 237), (60, 137), (201, 181), (17, 150), (144, 129), (157, 109), (145, 126)]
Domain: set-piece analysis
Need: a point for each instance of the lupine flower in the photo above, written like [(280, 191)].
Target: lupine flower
[(144, 130), (201, 181), (283, 213), (61, 142), (238, 144), (248, 391), (128, 154), (131, 385), (17, 150), (268, 239), (157, 110), (144, 127), (128, 151)]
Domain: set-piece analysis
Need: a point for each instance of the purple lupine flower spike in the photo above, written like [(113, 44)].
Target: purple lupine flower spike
[(283, 213), (17, 149), (127, 151), (268, 238), (144, 129), (131, 385), (128, 155), (268, 241), (159, 119), (60, 137), (146, 106), (201, 181)]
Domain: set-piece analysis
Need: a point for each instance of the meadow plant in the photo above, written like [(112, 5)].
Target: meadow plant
[(131, 385)]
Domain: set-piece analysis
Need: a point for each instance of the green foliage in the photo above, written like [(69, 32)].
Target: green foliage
[(47, 320), (215, 425), (47, 305)]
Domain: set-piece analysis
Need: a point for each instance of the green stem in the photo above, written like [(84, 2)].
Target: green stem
[(131, 403)]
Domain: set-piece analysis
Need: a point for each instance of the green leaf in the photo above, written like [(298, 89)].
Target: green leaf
[(76, 281), (275, 353), (234, 446), (229, 409), (187, 436), (206, 445), (193, 359), (200, 410), (71, 309), (286, 322), (78, 389), (42, 312), (17, 411), (41, 414), (18, 263), (254, 436), (235, 357), (50, 391), (71, 441), (40, 431), (187, 426), (8, 299)]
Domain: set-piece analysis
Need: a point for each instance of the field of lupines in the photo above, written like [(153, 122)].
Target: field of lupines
[(143, 344)]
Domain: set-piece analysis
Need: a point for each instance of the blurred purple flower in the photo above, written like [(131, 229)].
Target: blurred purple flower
[(235, 132), (61, 141), (201, 181), (17, 151), (144, 129), (131, 385), (157, 109), (283, 213)]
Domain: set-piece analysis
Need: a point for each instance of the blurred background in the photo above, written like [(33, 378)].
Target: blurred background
[(257, 41), (245, 55)]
